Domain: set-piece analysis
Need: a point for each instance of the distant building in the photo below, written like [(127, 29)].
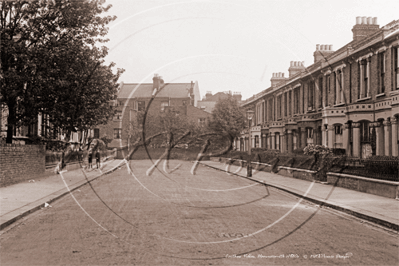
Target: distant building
[(135, 97), (208, 102)]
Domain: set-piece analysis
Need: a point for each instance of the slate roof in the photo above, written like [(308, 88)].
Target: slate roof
[(144, 90)]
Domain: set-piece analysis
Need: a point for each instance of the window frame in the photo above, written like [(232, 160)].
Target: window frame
[(117, 133)]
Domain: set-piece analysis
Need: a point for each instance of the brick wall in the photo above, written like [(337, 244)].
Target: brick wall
[(20, 163)]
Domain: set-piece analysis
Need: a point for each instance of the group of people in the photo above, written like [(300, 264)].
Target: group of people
[(98, 159)]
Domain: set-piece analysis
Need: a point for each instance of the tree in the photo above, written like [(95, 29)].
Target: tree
[(228, 119), (50, 62)]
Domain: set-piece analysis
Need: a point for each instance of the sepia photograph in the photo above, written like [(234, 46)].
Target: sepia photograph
[(199, 132)]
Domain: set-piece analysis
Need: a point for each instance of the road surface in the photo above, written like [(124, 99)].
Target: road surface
[(210, 218)]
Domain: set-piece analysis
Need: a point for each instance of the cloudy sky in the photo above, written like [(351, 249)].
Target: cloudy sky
[(230, 45)]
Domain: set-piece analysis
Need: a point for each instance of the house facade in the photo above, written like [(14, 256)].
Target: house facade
[(42, 128), (135, 98), (347, 99)]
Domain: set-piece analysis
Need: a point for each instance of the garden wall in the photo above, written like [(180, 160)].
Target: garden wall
[(389, 189), (20, 163)]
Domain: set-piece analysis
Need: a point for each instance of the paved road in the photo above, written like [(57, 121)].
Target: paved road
[(180, 219)]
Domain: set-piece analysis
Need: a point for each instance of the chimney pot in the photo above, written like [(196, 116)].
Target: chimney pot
[(358, 20), (370, 20), (283, 75), (375, 20), (331, 47), (364, 20), (292, 63), (317, 47), (303, 63)]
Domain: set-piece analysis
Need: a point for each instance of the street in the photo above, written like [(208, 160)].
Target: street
[(210, 218)]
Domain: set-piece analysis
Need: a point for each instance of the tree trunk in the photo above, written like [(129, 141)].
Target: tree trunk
[(10, 124)]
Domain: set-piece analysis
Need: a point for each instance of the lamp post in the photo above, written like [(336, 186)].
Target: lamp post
[(250, 115)]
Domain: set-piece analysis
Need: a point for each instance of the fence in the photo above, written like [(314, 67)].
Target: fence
[(377, 167)]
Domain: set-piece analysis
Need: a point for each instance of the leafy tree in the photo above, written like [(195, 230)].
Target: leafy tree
[(228, 118), (50, 63)]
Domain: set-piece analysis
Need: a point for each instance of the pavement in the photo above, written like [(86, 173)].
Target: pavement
[(19, 200)]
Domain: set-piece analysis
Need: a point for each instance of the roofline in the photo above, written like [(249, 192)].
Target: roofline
[(328, 61)]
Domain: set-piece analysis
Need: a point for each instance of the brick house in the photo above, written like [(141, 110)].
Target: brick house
[(348, 98), (135, 97)]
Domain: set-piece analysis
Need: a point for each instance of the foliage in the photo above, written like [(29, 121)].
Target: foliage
[(50, 63), (316, 149), (228, 118)]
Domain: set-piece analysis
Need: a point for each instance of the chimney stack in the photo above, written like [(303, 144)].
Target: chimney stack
[(364, 27), (296, 67), (324, 51), (155, 82), (277, 78)]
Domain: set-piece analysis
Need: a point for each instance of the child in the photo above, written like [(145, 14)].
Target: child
[(98, 159), (90, 159)]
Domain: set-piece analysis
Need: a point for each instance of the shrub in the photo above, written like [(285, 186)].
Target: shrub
[(316, 149)]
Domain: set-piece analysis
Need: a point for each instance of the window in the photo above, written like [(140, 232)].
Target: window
[(184, 103), (265, 111), (309, 132), (117, 133), (163, 105), (256, 141), (381, 70), (296, 100), (364, 73), (140, 105), (320, 89), (270, 110), (118, 115), (294, 140), (201, 121), (277, 140), (289, 103), (337, 86), (396, 67), (311, 97), (328, 88), (364, 131), (350, 83), (338, 130), (338, 92), (279, 99), (285, 104)]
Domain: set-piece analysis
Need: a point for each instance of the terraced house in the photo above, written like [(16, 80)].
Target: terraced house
[(347, 99)]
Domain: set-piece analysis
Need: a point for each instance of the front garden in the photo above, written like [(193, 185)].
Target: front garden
[(322, 160)]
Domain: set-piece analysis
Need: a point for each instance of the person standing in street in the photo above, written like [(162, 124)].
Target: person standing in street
[(90, 159), (98, 159)]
